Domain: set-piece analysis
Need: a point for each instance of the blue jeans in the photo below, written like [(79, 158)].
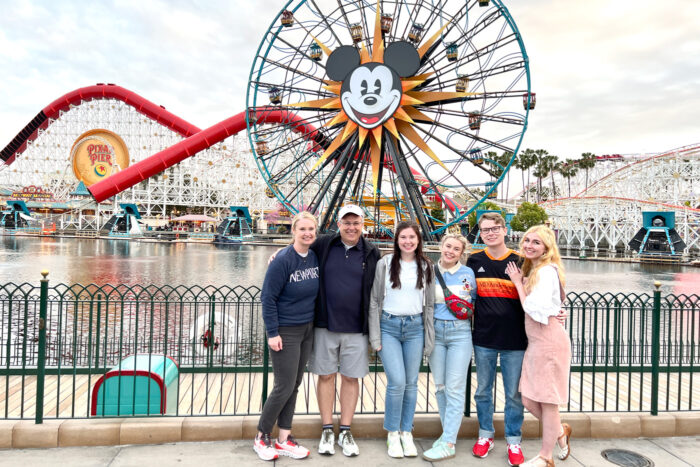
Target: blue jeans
[(449, 363), (511, 364), (401, 354)]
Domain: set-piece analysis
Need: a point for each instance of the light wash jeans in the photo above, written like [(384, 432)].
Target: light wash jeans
[(511, 365), (448, 364), (401, 354)]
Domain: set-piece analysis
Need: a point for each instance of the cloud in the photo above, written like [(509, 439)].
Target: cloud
[(609, 77)]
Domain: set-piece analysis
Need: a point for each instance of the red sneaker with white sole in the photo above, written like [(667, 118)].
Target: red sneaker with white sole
[(482, 447)]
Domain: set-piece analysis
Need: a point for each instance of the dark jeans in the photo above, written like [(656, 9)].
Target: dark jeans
[(288, 367)]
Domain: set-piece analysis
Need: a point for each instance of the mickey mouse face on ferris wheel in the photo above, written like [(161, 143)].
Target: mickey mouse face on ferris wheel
[(371, 92)]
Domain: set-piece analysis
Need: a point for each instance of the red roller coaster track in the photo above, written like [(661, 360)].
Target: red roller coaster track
[(195, 140)]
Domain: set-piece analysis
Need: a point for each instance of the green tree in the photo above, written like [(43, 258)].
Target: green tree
[(436, 212), (586, 163), (485, 206), (528, 214)]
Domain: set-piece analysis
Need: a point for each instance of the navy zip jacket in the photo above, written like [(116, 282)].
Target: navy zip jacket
[(371, 255)]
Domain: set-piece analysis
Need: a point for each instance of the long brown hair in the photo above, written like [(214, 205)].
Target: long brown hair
[(425, 269)]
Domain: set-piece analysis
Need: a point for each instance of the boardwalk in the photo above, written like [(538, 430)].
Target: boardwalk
[(240, 394)]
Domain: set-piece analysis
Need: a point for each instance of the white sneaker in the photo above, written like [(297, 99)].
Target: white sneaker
[(409, 449), (263, 446), (325, 446), (347, 442), (393, 444)]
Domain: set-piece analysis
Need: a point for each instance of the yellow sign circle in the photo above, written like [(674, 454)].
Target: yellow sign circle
[(97, 154)]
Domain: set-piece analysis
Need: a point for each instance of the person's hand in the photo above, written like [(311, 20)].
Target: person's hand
[(562, 316), (273, 256), (514, 273), (275, 343), (378, 348)]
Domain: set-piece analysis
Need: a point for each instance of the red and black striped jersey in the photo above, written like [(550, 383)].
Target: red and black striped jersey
[(499, 320)]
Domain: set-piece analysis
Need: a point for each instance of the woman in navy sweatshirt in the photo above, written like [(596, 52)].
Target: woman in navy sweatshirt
[(288, 301)]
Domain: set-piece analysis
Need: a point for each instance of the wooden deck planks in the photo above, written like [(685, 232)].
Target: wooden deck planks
[(240, 394)]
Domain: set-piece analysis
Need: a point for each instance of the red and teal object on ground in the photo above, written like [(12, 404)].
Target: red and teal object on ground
[(141, 384)]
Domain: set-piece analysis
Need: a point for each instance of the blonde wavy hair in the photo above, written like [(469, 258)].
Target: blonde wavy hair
[(550, 256), (466, 246)]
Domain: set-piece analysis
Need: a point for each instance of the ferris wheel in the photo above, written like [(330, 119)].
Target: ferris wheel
[(392, 105)]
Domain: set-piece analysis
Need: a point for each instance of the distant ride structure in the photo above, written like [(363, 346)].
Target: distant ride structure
[(401, 94), (608, 214)]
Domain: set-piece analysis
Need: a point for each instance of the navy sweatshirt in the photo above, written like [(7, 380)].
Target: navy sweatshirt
[(289, 290)]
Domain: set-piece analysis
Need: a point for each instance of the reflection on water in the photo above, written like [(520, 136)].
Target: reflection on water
[(87, 261), (596, 276)]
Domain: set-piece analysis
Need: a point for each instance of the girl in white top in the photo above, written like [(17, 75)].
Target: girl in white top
[(401, 330)]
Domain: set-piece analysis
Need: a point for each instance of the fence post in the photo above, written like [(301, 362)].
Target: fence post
[(655, 348), (41, 355), (212, 339), (266, 363)]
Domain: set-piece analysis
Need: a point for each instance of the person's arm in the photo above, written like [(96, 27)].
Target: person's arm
[(273, 285), (376, 300), (473, 281), (538, 302)]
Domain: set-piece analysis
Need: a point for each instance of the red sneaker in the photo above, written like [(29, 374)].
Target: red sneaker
[(482, 447), (291, 448), (515, 454)]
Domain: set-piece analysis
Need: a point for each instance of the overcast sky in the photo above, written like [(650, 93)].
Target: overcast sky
[(610, 77)]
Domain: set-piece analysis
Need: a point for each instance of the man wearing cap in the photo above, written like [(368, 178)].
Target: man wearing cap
[(347, 264)]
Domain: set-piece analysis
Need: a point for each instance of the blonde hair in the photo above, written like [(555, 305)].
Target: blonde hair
[(466, 247), (303, 215), (492, 216), (550, 256)]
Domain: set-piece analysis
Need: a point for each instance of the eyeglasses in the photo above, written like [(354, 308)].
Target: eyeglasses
[(491, 229)]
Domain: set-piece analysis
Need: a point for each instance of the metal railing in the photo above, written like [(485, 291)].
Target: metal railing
[(630, 352)]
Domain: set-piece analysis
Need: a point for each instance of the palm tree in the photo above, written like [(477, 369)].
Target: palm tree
[(503, 159), (527, 160), (554, 167), (568, 170), (492, 155), (586, 163), (542, 169)]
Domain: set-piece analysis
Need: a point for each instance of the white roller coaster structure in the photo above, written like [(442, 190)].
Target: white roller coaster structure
[(218, 177), (608, 213)]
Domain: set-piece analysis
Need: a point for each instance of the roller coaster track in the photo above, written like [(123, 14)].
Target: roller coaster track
[(195, 140)]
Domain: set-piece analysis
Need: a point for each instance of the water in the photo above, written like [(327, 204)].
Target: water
[(72, 260)]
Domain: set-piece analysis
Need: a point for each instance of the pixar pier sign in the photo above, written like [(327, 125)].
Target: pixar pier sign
[(97, 154)]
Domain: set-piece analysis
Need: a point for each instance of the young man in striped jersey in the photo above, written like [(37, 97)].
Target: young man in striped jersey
[(498, 330)]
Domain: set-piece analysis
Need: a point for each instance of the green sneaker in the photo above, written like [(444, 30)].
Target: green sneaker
[(437, 441), (439, 453)]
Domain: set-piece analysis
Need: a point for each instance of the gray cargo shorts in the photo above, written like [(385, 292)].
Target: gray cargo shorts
[(343, 352)]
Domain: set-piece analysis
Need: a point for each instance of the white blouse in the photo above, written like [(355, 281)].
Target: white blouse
[(544, 299)]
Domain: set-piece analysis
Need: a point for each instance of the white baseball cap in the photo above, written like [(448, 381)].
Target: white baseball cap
[(350, 209)]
